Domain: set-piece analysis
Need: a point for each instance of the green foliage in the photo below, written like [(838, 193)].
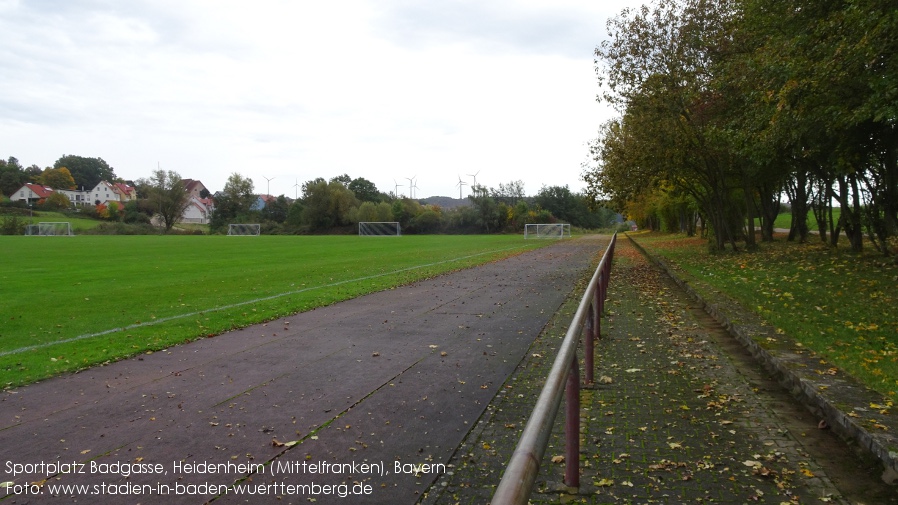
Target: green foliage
[(166, 195), (326, 204), (56, 201), (12, 176), (428, 221), (234, 203), (86, 172), (730, 103), (56, 178), (364, 190), (487, 215), (276, 210), (12, 225)]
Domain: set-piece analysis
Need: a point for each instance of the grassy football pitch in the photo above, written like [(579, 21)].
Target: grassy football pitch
[(73, 302)]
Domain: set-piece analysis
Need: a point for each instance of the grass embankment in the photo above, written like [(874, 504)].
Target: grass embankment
[(79, 224), (72, 302), (784, 220), (839, 304)]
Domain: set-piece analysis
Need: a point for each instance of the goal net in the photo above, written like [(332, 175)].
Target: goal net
[(379, 228), (556, 230), (48, 229), (245, 229)]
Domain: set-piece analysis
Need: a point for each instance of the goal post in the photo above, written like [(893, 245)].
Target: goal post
[(554, 230), (51, 229), (379, 229), (244, 230)]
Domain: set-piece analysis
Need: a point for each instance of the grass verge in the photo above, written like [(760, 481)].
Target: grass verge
[(837, 303)]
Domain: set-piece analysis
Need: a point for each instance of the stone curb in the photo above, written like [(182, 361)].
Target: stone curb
[(840, 400)]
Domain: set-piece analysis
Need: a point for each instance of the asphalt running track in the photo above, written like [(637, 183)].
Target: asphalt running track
[(396, 377)]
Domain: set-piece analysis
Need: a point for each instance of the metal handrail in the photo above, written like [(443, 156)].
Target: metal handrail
[(523, 467)]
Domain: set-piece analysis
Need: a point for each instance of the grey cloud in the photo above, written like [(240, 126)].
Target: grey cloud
[(492, 27)]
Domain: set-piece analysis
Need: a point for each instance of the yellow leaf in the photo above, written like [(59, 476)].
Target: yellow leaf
[(557, 459), (604, 483)]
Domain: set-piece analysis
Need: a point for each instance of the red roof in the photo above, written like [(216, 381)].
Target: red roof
[(40, 191), (190, 184), (124, 188)]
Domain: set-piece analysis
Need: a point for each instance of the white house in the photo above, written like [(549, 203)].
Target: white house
[(31, 193), (104, 192), (198, 211)]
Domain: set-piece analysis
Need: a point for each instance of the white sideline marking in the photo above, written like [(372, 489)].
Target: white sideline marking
[(240, 304)]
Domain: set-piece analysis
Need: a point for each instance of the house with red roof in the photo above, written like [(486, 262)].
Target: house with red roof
[(125, 192), (195, 188), (31, 193)]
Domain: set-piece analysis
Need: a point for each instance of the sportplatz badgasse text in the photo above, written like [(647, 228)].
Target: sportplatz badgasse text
[(203, 467), (115, 469)]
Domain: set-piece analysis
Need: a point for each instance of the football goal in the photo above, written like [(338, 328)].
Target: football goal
[(50, 229), (379, 228), (253, 230), (555, 230)]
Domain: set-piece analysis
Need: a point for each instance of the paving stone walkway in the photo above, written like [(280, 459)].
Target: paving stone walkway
[(671, 419)]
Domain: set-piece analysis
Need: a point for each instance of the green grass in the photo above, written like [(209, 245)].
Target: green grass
[(78, 223), (837, 303), (72, 302), (784, 220)]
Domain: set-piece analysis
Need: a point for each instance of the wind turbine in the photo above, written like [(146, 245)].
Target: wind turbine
[(296, 190), (411, 186), (396, 191), (460, 184), (269, 179), (475, 177)]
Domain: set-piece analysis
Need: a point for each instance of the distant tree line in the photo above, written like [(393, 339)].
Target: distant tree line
[(726, 105), (325, 206), (339, 204)]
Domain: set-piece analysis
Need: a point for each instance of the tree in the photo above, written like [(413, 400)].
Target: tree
[(364, 190), (344, 179), (167, 195), (488, 216), (658, 68), (560, 202), (276, 210), (12, 176), (56, 201), (86, 172), (510, 193), (56, 178), (234, 203), (326, 204)]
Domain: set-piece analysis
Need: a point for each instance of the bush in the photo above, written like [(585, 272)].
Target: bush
[(426, 222), (12, 225), (117, 228)]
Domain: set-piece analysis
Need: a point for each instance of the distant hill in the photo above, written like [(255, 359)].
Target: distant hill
[(445, 202)]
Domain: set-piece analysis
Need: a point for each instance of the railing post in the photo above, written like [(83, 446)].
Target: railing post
[(572, 427), (589, 344), (599, 302)]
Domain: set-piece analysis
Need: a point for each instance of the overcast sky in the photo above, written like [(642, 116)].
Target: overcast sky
[(292, 90)]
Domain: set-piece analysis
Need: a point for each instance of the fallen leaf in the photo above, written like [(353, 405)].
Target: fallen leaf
[(557, 459)]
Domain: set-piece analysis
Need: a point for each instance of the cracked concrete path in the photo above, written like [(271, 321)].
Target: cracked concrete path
[(385, 382)]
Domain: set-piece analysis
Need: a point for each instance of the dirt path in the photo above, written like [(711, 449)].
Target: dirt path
[(386, 385)]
